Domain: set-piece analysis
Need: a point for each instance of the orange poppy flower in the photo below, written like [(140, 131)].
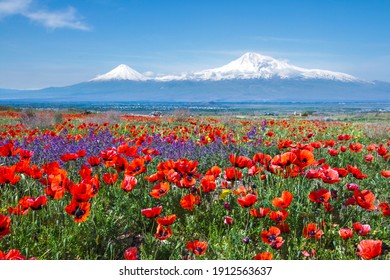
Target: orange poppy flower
[(304, 158), (269, 236), (129, 182), (163, 233), (341, 171), (262, 158), (283, 201), (151, 213), (188, 202), (58, 184), (214, 171), (263, 256), (137, 166), (365, 199), (311, 231), (80, 210), (247, 201), (160, 190), (131, 253), (346, 233), (369, 249), (278, 216), (5, 222), (385, 173), (167, 220), (356, 148), (208, 183), (284, 159), (197, 247), (259, 213)]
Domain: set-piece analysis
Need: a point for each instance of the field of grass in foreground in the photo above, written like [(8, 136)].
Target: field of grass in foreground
[(112, 186)]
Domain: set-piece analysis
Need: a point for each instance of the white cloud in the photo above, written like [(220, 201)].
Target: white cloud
[(67, 18)]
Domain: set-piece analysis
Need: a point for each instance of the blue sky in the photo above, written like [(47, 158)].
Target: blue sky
[(56, 43)]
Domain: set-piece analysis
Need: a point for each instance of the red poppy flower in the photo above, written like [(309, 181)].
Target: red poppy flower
[(160, 190), (8, 176), (269, 236), (262, 158), (311, 231), (263, 256), (151, 213), (333, 152), (129, 182), (278, 216), (356, 172), (247, 201), (131, 253), (37, 203), (346, 233), (228, 220), (214, 171), (240, 161), (365, 199), (69, 156), (356, 148), (385, 208), (58, 184), (369, 249), (283, 201), (5, 222), (208, 183), (80, 210), (12, 255), (352, 186), (197, 247), (188, 202), (360, 229), (232, 174), (304, 158), (109, 178), (167, 220), (385, 173), (8, 150), (137, 166), (259, 213), (320, 196), (163, 233), (94, 161), (284, 159), (330, 176), (341, 171)]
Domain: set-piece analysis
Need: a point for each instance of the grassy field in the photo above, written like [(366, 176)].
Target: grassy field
[(82, 185)]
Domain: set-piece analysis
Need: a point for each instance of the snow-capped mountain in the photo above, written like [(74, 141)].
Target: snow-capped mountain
[(248, 66), (256, 66), (250, 78), (121, 72)]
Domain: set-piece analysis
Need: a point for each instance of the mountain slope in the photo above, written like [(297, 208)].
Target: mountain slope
[(121, 72)]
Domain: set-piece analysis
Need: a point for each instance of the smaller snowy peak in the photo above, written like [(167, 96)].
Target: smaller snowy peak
[(121, 72)]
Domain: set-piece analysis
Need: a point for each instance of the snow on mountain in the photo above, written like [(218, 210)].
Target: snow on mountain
[(256, 66), (248, 66), (121, 72)]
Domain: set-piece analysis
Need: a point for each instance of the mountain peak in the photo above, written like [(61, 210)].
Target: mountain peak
[(121, 72)]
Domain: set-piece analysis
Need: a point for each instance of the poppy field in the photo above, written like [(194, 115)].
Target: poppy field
[(208, 188)]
